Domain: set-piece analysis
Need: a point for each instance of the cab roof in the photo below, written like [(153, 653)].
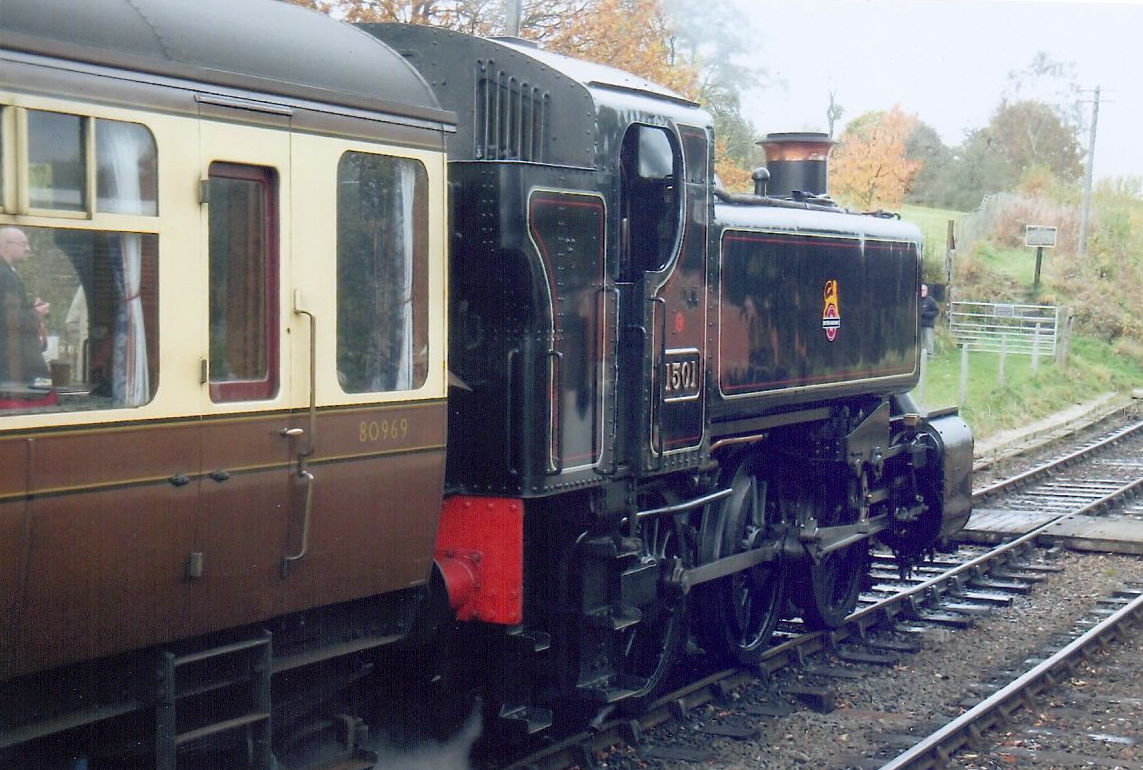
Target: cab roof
[(526, 103)]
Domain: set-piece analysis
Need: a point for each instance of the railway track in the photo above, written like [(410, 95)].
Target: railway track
[(1048, 485), (998, 709), (946, 593), (1050, 488), (1068, 498)]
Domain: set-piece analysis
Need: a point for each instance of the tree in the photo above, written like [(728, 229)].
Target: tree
[(689, 46), (1049, 82), (834, 111), (871, 167), (1026, 144), (711, 40), (925, 147), (632, 35), (455, 14), (978, 169), (1029, 133), (731, 175)]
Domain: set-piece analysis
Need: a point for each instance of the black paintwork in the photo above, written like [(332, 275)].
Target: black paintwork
[(593, 299)]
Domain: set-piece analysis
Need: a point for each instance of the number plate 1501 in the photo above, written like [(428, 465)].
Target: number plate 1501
[(682, 375)]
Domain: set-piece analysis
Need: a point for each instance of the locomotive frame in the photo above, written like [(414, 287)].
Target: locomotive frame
[(670, 413)]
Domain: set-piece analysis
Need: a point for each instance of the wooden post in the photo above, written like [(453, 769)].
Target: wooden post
[(1003, 359), (1064, 336), (964, 374), (950, 256), (1036, 350)]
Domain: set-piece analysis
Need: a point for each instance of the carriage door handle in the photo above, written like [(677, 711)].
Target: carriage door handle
[(304, 475)]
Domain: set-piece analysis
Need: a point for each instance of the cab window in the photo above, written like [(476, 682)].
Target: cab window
[(650, 166)]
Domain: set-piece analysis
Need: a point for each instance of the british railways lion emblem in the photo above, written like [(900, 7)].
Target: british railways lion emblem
[(831, 312)]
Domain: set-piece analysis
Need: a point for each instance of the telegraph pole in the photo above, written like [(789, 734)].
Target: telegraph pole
[(512, 17), (1086, 211)]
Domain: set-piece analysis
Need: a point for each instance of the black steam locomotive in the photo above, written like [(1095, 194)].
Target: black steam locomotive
[(430, 348), (698, 399)]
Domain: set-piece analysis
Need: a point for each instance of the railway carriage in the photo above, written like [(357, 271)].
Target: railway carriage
[(282, 285), (244, 252)]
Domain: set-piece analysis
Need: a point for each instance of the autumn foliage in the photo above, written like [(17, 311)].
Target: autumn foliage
[(631, 35), (733, 176), (456, 14), (870, 168)]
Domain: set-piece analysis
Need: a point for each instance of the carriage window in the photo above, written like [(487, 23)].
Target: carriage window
[(78, 319), (243, 300), (126, 179), (382, 286), (57, 161)]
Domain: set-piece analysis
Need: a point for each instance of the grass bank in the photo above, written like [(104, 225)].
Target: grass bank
[(1106, 351), (1093, 368)]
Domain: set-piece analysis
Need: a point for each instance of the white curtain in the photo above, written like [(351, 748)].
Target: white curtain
[(120, 148), (405, 215), (131, 386)]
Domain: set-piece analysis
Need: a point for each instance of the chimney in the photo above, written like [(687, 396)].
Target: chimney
[(796, 162)]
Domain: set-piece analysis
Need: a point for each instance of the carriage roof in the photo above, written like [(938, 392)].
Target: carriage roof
[(257, 45)]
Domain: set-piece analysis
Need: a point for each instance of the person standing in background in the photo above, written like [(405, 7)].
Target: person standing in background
[(22, 337), (929, 310)]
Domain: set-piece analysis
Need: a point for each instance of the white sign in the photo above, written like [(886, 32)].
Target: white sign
[(1040, 235)]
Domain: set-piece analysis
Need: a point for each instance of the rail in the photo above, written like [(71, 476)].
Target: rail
[(935, 750)]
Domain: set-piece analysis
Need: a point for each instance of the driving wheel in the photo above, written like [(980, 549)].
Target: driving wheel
[(738, 612), (829, 587)]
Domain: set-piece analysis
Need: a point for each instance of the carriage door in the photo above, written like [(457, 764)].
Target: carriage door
[(663, 268), (247, 498)]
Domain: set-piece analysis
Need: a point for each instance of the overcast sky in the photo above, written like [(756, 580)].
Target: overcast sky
[(947, 61)]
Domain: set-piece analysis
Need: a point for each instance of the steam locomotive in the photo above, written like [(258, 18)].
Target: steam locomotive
[(396, 344)]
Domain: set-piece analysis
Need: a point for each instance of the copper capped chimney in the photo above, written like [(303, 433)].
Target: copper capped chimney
[(797, 162)]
